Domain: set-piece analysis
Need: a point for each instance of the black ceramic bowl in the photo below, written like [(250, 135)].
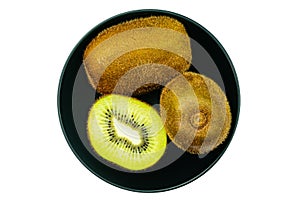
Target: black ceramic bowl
[(76, 96)]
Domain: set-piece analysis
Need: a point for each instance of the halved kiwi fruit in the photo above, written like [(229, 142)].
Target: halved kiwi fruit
[(149, 41), (126, 132), (196, 113)]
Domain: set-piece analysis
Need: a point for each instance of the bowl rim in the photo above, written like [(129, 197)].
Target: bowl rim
[(233, 127)]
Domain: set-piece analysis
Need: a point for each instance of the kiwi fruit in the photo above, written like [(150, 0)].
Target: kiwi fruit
[(126, 132), (149, 41), (196, 113)]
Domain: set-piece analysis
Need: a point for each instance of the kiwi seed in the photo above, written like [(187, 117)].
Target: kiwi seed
[(196, 113), (159, 40), (126, 132)]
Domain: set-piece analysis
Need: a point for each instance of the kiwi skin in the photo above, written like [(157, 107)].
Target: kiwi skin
[(198, 129), (142, 41), (115, 143)]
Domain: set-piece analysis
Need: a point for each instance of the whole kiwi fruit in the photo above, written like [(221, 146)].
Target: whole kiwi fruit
[(150, 42), (126, 132), (196, 113)]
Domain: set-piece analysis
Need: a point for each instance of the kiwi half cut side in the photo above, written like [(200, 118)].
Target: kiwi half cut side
[(126, 132), (157, 40), (196, 113)]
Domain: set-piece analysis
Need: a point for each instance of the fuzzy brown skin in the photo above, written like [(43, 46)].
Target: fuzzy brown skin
[(144, 41), (197, 128)]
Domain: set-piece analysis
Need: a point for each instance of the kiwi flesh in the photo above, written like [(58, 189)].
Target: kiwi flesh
[(159, 40), (126, 132), (196, 113)]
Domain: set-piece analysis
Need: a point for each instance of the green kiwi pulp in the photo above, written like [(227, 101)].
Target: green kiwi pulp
[(126, 132)]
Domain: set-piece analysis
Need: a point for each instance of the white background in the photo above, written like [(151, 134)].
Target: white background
[(262, 39)]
